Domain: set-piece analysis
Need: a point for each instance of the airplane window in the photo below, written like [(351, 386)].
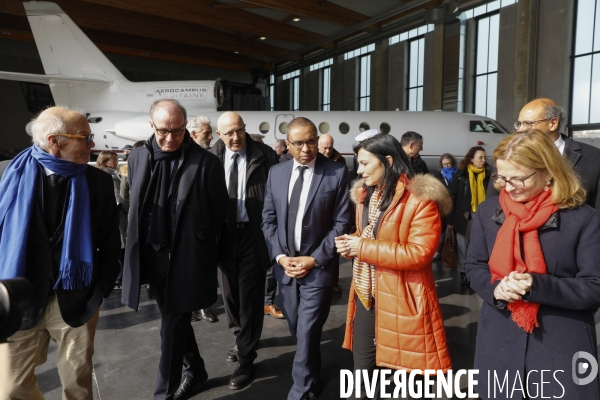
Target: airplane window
[(283, 127), (94, 120), (104, 136), (344, 128), (384, 127), (264, 127), (495, 127), (324, 127), (477, 126), (364, 127)]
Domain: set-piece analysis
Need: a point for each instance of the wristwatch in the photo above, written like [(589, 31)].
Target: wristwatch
[(317, 265)]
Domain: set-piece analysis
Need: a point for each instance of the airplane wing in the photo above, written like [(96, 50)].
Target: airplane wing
[(47, 79)]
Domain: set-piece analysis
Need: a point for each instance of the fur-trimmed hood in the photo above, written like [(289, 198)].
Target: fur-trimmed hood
[(422, 186)]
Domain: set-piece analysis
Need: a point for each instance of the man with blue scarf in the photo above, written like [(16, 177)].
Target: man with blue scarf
[(58, 229)]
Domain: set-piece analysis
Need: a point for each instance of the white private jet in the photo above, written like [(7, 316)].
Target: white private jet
[(81, 76)]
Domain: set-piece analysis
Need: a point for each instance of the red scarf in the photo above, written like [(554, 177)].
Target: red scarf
[(525, 219)]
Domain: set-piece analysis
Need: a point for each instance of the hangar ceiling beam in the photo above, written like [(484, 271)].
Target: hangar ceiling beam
[(324, 11), (150, 28), (203, 13)]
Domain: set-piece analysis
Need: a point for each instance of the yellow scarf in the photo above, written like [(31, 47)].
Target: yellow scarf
[(476, 184)]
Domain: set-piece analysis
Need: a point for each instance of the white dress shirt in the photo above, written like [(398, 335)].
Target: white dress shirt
[(560, 144), (242, 215), (308, 175)]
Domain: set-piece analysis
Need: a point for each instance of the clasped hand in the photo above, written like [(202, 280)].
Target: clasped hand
[(297, 267), (347, 245), (513, 287)]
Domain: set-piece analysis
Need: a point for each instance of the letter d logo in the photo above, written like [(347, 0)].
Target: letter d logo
[(583, 367)]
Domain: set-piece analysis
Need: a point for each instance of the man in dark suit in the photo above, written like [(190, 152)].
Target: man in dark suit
[(59, 228), (306, 207), (547, 116), (178, 204), (244, 253)]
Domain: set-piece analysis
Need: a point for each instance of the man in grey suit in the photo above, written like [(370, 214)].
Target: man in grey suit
[(300, 224), (547, 116)]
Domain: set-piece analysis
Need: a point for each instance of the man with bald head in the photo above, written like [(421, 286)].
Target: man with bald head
[(59, 228), (545, 115), (178, 203), (245, 258), (326, 148)]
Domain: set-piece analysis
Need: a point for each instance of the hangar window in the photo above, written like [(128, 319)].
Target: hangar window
[(344, 128), (364, 98), (585, 91), (272, 92), (364, 127), (326, 87), (294, 78), (324, 127), (416, 57), (486, 8), (486, 65), (283, 127), (384, 127), (264, 127), (411, 34)]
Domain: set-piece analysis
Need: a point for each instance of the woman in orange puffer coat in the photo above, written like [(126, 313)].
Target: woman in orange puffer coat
[(394, 318)]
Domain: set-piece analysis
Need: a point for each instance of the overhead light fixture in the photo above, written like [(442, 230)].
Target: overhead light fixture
[(262, 38), (296, 19), (236, 52)]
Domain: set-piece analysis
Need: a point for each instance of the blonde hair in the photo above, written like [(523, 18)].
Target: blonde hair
[(535, 150)]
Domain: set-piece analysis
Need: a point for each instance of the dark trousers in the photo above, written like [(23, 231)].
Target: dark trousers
[(363, 343), (177, 340), (242, 284), (270, 287), (306, 309)]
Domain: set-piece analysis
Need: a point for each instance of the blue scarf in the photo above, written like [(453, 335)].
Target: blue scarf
[(18, 188), (447, 172)]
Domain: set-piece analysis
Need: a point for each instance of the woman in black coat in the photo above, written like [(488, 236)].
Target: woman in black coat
[(473, 175), (533, 259)]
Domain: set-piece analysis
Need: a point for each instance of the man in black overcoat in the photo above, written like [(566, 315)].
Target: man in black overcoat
[(244, 251), (178, 203)]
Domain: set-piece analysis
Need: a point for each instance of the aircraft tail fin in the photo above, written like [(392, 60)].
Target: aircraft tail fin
[(66, 52)]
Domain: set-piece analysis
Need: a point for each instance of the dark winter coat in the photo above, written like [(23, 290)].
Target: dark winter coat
[(569, 294), (198, 215), (460, 191), (259, 160)]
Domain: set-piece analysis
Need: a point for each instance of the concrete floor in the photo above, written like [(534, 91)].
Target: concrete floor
[(128, 347)]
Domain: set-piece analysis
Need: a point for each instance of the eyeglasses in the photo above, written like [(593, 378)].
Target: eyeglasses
[(88, 138), (165, 132), (299, 144), (529, 124), (517, 183), (239, 132)]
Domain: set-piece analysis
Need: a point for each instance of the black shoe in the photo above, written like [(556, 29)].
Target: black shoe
[(241, 376), (315, 389), (190, 386), (149, 292), (464, 280), (203, 314), (232, 354), (337, 288)]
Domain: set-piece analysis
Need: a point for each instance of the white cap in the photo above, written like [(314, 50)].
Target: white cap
[(366, 135)]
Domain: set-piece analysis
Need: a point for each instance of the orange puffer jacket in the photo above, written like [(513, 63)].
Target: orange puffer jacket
[(409, 331)]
